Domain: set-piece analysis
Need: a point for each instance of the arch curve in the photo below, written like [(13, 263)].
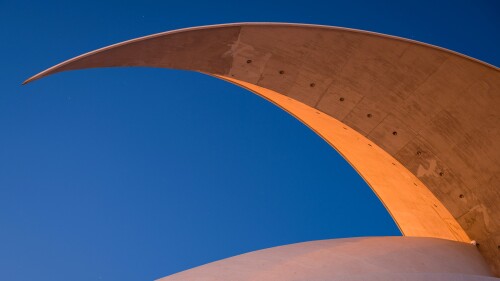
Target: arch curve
[(419, 123)]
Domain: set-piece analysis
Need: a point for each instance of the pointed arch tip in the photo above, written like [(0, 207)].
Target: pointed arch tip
[(41, 74), (33, 78), (61, 67)]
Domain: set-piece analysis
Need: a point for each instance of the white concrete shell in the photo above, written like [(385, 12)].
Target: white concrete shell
[(352, 259)]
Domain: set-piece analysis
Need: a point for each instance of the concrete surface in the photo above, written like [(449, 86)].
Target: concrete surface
[(375, 258), (429, 112)]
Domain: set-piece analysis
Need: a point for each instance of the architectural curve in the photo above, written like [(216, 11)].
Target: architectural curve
[(431, 114), (350, 259)]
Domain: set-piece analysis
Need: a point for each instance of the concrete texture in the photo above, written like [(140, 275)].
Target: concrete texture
[(416, 211), (375, 258), (430, 113)]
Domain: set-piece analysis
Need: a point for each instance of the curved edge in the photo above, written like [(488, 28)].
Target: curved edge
[(298, 117), (359, 258), (412, 206), (54, 69)]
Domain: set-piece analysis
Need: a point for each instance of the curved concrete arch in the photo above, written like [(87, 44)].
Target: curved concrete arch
[(421, 122)]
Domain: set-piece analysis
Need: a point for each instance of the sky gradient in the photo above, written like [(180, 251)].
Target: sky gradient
[(136, 173)]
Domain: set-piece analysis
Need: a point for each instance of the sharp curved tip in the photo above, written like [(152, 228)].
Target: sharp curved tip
[(39, 75), (27, 81), (34, 77)]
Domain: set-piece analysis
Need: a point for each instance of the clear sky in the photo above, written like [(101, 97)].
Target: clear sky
[(135, 174)]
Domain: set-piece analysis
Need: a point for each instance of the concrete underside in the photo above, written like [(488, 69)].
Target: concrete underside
[(376, 258), (422, 122)]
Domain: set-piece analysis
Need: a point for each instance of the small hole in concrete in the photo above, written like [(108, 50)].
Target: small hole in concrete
[(369, 145), (395, 133), (441, 174), (312, 85), (341, 99), (419, 153), (394, 164), (369, 115), (282, 72), (249, 61), (461, 196)]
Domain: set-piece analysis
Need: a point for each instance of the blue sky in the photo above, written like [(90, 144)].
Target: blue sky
[(134, 174)]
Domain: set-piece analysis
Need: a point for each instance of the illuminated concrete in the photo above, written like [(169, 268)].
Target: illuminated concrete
[(416, 211), (375, 258), (422, 123)]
